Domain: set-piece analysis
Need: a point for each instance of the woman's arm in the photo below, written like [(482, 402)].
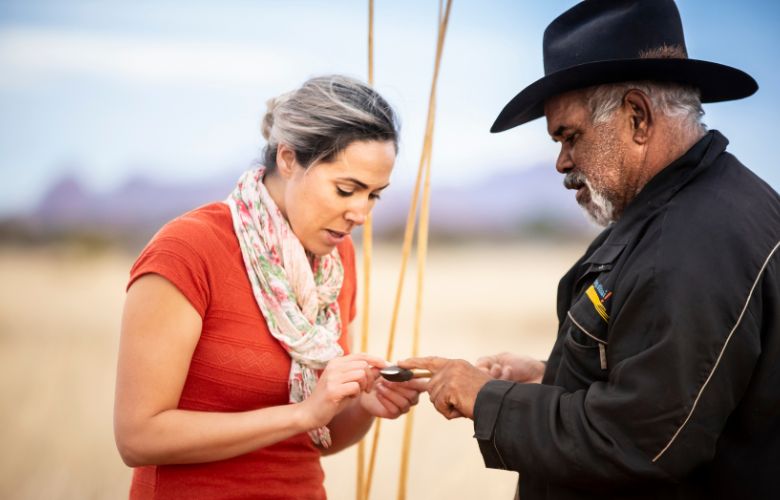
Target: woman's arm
[(160, 330)]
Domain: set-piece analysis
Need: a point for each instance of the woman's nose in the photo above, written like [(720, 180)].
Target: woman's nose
[(358, 212)]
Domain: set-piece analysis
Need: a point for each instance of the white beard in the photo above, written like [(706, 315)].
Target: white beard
[(601, 211)]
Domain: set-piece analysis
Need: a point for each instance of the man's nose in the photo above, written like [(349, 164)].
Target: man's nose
[(564, 162)]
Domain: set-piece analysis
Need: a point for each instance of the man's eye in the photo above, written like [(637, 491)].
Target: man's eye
[(342, 192), (572, 138)]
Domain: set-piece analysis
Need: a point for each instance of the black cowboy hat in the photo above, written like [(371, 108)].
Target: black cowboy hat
[(609, 41)]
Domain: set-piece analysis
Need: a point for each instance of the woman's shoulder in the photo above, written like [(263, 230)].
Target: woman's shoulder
[(189, 251), (198, 236), (204, 221), (199, 229)]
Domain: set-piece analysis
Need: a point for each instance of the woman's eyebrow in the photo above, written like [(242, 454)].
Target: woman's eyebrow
[(360, 184)]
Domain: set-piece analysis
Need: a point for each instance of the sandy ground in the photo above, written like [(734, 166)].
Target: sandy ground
[(59, 321)]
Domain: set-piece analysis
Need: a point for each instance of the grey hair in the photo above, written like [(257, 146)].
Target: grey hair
[(672, 99), (324, 116)]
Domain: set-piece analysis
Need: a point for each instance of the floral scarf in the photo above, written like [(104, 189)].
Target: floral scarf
[(297, 297)]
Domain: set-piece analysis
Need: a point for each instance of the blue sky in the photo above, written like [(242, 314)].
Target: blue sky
[(175, 90)]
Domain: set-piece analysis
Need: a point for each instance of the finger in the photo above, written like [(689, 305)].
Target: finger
[(434, 391), (442, 407), (454, 413), (348, 390), (372, 374), (485, 362), (506, 373), (389, 409), (404, 390), (407, 393), (358, 376), (371, 359), (344, 364), (431, 363), (495, 371), (400, 400), (350, 364), (504, 357), (417, 384)]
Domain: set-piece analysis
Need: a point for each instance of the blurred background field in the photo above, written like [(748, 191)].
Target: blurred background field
[(60, 309), (117, 116)]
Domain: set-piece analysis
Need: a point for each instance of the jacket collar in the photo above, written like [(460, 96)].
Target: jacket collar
[(666, 183)]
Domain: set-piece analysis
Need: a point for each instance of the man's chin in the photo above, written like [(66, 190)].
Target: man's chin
[(597, 215)]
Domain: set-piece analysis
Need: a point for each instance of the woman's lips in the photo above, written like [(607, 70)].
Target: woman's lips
[(335, 237)]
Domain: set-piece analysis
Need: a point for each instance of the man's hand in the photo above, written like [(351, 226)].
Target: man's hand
[(508, 366), (454, 385)]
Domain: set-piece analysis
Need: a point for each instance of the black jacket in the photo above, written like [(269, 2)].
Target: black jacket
[(664, 381)]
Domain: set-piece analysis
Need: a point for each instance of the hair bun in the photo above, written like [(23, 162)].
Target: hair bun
[(268, 119)]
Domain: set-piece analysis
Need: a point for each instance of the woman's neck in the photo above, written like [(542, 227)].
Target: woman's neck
[(275, 184)]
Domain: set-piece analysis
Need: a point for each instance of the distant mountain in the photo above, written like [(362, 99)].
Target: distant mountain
[(512, 203), (505, 204), (138, 204)]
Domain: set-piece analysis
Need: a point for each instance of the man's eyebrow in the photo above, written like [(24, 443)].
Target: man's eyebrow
[(559, 132), (360, 184)]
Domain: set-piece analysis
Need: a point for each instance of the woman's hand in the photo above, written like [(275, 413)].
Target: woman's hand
[(392, 399), (342, 380), (508, 366)]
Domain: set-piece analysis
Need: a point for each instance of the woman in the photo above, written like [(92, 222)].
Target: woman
[(232, 378)]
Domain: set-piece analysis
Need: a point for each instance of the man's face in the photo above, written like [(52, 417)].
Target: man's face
[(593, 157)]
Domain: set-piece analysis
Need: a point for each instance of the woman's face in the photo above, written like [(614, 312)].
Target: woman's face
[(326, 201)]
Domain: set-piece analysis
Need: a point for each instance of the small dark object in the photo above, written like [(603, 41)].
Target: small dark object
[(398, 374)]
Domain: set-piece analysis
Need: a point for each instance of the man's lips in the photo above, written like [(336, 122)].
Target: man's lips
[(575, 183), (570, 183), (581, 193)]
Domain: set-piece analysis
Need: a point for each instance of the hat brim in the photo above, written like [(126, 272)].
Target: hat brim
[(716, 82)]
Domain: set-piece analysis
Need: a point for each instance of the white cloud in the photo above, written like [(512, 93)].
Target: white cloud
[(28, 55)]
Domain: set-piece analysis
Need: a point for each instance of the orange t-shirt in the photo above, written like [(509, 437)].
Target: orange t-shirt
[(237, 365)]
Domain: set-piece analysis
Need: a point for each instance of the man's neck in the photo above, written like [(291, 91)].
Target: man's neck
[(667, 147), (679, 141)]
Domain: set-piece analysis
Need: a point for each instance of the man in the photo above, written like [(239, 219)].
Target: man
[(664, 379)]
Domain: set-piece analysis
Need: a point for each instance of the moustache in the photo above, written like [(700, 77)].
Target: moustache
[(574, 180)]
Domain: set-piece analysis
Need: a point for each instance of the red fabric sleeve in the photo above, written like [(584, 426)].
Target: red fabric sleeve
[(170, 255)]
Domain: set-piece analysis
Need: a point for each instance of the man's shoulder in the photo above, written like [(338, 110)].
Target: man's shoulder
[(725, 215), (726, 197)]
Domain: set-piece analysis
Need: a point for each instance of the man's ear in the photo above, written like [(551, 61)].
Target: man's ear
[(285, 160), (640, 114)]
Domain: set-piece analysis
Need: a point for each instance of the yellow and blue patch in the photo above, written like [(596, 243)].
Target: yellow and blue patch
[(598, 295)]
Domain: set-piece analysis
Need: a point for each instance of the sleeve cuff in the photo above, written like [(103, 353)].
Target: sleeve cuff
[(487, 409)]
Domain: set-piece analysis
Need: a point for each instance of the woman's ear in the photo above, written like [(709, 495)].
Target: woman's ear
[(285, 160), (640, 113)]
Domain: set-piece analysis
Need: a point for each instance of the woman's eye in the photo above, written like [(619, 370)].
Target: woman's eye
[(342, 192), (374, 196)]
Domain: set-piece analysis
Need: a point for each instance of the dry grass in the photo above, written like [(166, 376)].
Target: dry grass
[(59, 320)]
